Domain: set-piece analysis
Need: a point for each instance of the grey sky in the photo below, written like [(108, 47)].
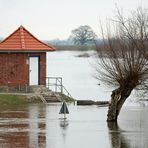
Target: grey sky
[(49, 19)]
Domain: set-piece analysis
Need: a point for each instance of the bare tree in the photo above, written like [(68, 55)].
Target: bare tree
[(124, 58), (83, 35)]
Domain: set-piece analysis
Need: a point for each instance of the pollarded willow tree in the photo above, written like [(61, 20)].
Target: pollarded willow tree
[(123, 58)]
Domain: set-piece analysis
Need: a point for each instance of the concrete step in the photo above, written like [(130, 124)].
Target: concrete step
[(51, 99)]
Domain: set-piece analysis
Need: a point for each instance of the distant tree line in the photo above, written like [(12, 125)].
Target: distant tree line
[(82, 35)]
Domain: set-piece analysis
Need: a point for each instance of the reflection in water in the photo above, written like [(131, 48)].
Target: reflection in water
[(22, 127), (64, 126), (116, 137), (33, 125), (36, 135), (11, 125), (38, 126), (51, 126)]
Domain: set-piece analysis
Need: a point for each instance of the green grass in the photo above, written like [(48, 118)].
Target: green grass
[(10, 99), (76, 47)]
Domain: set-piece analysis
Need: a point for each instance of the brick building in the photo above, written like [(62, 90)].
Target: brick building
[(23, 59)]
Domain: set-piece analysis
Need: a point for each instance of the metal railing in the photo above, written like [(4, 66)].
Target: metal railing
[(56, 85)]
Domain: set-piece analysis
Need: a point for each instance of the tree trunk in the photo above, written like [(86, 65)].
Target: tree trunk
[(118, 98)]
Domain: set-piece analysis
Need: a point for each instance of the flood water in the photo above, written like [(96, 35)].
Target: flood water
[(78, 74), (40, 126)]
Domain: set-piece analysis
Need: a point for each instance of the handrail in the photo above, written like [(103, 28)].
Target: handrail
[(58, 86), (67, 92)]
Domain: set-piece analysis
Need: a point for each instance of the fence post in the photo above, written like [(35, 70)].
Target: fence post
[(56, 85), (48, 83), (26, 88), (61, 87)]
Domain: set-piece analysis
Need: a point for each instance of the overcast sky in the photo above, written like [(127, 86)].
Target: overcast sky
[(49, 19)]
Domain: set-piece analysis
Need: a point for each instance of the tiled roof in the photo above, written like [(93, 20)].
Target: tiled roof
[(23, 40)]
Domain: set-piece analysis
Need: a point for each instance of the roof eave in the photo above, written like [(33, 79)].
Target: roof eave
[(21, 51)]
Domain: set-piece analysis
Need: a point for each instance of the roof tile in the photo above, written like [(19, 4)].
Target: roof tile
[(23, 40)]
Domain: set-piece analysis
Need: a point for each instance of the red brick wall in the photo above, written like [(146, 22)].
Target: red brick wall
[(14, 69), (43, 69)]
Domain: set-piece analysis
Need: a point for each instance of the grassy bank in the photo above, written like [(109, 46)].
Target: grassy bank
[(18, 100), (76, 47), (10, 99), (67, 98)]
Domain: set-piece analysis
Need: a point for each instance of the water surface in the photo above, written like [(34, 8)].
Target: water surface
[(78, 74), (41, 126)]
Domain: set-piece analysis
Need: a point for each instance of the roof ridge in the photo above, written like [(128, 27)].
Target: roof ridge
[(22, 37)]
